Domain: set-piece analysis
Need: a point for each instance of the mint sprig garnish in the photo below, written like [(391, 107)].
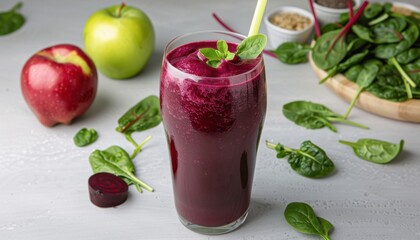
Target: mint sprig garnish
[(250, 48), (215, 56)]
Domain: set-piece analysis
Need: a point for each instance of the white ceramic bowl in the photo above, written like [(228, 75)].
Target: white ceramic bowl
[(278, 35), (329, 15), (407, 6)]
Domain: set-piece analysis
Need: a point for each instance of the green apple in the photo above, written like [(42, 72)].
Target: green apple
[(120, 39)]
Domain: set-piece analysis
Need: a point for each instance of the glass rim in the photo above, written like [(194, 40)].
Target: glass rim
[(195, 77)]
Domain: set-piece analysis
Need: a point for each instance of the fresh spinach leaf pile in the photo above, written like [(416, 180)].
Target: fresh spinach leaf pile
[(381, 53)]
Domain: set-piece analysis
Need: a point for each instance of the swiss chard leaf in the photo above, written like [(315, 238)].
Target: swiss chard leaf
[(85, 137), (11, 21), (302, 217), (115, 160), (374, 150), (324, 56), (144, 115)]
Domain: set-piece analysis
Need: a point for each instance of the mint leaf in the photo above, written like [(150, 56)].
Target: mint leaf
[(214, 63), (215, 56), (251, 46), (230, 56), (210, 53), (222, 46)]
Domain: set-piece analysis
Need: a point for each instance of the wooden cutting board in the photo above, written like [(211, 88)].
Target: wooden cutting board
[(405, 111)]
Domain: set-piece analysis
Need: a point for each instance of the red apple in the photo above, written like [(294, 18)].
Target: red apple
[(59, 83)]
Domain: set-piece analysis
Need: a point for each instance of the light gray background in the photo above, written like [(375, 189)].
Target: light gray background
[(43, 176)]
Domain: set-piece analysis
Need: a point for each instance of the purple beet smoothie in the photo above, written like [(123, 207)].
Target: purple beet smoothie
[(213, 127)]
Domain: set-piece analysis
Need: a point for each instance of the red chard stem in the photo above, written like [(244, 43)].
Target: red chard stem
[(316, 23), (350, 6), (347, 27)]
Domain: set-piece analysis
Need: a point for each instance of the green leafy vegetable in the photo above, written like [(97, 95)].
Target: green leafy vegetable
[(115, 160), (314, 116), (343, 66), (325, 56), (388, 31), (215, 56), (408, 56), (379, 35), (372, 10), (292, 52), (250, 48), (11, 20), (144, 115), (85, 137), (302, 217), (364, 79), (309, 161), (374, 150), (388, 84), (408, 82), (409, 37), (331, 47)]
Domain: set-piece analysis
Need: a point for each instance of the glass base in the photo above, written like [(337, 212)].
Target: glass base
[(215, 230)]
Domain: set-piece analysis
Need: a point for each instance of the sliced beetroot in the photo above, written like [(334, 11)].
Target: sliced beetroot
[(107, 190)]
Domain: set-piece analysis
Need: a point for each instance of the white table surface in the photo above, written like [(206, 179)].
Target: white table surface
[(43, 175)]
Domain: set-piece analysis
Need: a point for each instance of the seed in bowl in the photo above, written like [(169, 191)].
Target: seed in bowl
[(290, 21), (401, 10)]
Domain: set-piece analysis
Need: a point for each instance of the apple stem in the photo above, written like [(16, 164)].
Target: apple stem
[(120, 9)]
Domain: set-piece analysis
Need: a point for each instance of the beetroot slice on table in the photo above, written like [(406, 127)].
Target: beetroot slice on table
[(107, 190)]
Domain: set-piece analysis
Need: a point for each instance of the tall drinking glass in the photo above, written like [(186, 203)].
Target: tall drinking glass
[(213, 119)]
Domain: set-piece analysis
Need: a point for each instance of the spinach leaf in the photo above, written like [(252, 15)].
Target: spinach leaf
[(331, 47), (314, 116), (11, 20), (388, 85), (115, 160), (85, 137), (364, 79), (343, 66), (292, 52), (302, 217), (386, 51), (374, 150), (408, 56), (413, 70), (372, 10), (252, 46), (309, 161), (355, 43), (388, 31), (144, 115), (407, 81)]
